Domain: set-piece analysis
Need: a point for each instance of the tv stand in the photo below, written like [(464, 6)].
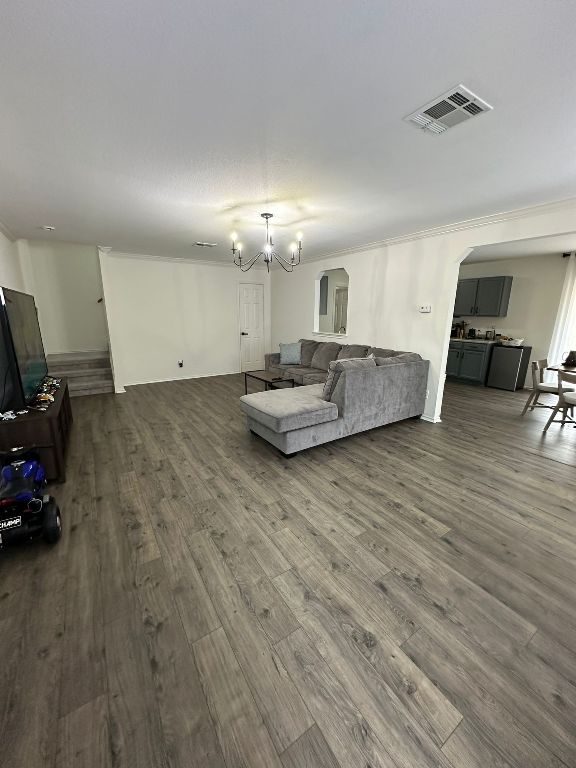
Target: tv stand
[(47, 431)]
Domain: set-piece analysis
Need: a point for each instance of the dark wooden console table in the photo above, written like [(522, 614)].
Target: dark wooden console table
[(48, 431)]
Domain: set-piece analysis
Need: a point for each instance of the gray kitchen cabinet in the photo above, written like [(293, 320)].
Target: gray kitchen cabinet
[(493, 296), (466, 297), (472, 365), (483, 296), (468, 361), (453, 361)]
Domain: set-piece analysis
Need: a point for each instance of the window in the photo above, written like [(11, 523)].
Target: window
[(332, 302)]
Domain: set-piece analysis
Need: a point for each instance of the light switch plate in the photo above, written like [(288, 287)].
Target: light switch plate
[(425, 308)]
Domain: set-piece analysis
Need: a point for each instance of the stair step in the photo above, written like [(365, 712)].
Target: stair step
[(74, 373), (105, 389), (67, 356), (88, 373), (80, 386), (67, 369), (68, 365)]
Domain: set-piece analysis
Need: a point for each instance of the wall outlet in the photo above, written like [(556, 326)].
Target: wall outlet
[(425, 309), (180, 363)]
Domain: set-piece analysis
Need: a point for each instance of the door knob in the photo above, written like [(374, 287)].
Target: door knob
[(243, 333)]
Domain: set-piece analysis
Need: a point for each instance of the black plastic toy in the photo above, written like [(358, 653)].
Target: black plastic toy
[(25, 510)]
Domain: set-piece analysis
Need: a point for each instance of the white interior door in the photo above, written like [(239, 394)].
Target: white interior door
[(340, 310), (251, 326)]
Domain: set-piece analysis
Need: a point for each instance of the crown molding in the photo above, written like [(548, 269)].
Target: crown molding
[(459, 226), (7, 233), (178, 259)]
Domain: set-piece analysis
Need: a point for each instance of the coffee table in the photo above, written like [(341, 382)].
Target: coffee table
[(271, 380)]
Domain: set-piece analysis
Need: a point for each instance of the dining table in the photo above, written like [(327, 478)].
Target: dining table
[(562, 367)]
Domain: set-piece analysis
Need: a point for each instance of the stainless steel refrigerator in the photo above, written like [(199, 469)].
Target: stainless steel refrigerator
[(508, 367)]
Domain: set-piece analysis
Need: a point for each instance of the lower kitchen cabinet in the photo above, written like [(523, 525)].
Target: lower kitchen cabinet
[(453, 362), (468, 361)]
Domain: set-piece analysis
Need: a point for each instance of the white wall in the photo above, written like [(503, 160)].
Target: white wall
[(161, 311), (10, 270), (534, 299), (65, 281), (389, 282), (385, 286)]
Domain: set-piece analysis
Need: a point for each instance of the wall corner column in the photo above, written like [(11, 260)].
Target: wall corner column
[(103, 256)]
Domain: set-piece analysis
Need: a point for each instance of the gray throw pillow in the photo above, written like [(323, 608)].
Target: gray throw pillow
[(350, 351), (403, 357), (336, 368), (290, 354), (326, 352), (308, 349), (379, 352)]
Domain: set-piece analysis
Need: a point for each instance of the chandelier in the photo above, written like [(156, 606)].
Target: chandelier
[(268, 253)]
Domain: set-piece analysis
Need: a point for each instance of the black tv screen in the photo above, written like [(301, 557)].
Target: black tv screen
[(24, 330)]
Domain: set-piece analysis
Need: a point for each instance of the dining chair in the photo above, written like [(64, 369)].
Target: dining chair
[(566, 400), (538, 386)]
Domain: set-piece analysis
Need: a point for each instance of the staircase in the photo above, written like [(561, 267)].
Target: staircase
[(88, 373)]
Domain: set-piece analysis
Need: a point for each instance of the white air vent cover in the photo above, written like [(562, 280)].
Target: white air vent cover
[(453, 107)]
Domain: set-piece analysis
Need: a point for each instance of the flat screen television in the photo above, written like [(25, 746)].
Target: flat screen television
[(22, 359)]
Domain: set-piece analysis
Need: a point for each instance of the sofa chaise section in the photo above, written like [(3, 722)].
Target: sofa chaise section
[(295, 419), (284, 410)]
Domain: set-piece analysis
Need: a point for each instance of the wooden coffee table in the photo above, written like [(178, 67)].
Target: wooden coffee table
[(271, 380)]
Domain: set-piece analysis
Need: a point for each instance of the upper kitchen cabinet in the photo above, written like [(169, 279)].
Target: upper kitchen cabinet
[(466, 297), (483, 296)]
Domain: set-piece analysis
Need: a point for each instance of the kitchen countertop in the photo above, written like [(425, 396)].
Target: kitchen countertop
[(474, 341)]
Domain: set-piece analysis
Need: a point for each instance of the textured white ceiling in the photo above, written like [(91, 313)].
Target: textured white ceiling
[(148, 125)]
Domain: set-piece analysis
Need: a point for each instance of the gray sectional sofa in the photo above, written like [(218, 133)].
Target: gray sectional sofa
[(316, 359), (390, 387)]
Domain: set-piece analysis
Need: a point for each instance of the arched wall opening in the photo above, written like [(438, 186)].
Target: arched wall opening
[(331, 302), (536, 244)]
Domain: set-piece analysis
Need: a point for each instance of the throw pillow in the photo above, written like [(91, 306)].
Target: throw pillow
[(308, 349), (379, 352), (290, 354), (325, 353), (336, 368), (403, 357), (350, 351)]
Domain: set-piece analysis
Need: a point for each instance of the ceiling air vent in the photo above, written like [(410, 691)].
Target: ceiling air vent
[(455, 106)]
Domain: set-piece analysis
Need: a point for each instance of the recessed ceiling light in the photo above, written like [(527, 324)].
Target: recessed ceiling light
[(48, 228)]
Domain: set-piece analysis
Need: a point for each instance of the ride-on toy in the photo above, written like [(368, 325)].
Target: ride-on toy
[(25, 510)]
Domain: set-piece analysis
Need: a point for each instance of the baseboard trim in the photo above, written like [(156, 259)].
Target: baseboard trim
[(180, 378), (431, 419)]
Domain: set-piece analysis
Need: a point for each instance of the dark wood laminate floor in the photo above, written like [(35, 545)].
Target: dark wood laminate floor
[(402, 598)]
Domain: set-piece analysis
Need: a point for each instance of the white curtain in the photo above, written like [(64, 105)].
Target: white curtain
[(564, 336)]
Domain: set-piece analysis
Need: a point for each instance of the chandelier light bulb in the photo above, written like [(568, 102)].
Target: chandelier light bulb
[(239, 247), (268, 248), (234, 237), (293, 247), (299, 237)]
